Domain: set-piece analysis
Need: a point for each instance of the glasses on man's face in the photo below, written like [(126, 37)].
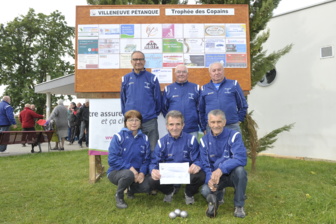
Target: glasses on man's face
[(138, 59), (133, 120), (184, 72)]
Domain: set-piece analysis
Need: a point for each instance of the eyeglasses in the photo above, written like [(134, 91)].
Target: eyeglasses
[(138, 59), (181, 72), (133, 120)]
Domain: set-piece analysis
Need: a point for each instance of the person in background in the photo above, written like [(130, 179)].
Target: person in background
[(73, 121), (128, 158), (6, 117), (27, 118), (140, 90), (60, 116), (177, 147), (223, 156), (84, 114)]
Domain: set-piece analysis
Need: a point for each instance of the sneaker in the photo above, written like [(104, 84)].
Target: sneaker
[(239, 212), (120, 203), (130, 194), (212, 206), (189, 200), (220, 202), (169, 197)]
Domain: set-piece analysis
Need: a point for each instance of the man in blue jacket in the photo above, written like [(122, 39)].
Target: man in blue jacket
[(224, 94), (223, 156), (177, 147), (140, 90), (183, 96), (6, 117)]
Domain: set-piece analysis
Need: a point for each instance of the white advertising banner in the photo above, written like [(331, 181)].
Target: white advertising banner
[(106, 120)]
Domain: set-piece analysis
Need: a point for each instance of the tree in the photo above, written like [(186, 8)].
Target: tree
[(32, 47)]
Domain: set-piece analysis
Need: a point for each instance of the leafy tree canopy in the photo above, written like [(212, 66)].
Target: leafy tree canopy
[(33, 46)]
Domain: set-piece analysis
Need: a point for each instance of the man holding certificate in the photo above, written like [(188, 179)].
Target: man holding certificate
[(172, 154), (223, 157)]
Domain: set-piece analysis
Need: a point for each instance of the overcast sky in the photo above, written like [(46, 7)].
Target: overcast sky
[(11, 9)]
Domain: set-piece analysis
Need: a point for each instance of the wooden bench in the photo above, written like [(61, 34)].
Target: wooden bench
[(26, 137)]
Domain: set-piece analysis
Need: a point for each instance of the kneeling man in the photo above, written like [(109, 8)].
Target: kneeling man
[(223, 156), (177, 147)]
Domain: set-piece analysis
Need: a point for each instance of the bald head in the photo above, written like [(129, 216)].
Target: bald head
[(6, 98), (181, 73)]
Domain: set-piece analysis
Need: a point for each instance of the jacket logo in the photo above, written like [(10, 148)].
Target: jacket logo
[(130, 83), (227, 90), (191, 96), (147, 85), (175, 96), (210, 93)]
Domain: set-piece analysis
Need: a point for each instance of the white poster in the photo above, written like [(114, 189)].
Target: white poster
[(106, 120)]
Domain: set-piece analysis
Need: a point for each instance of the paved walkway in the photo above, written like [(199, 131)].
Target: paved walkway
[(17, 149)]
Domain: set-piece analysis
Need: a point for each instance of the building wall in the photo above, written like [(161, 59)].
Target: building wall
[(304, 91)]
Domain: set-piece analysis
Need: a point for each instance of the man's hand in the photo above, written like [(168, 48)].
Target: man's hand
[(193, 169), (212, 185), (140, 178), (14, 126), (136, 174), (216, 175), (156, 174)]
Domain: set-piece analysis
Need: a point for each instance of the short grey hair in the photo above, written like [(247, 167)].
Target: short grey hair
[(181, 65), (215, 63), (216, 113), (174, 114), (138, 52), (60, 102)]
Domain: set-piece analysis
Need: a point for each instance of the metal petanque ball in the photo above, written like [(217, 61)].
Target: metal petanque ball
[(184, 214), (172, 215), (177, 212)]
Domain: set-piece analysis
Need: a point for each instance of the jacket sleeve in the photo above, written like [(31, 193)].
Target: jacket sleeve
[(238, 156), (165, 102), (201, 110), (36, 115), (204, 155), (194, 152), (241, 103), (115, 159), (10, 114), (145, 165), (123, 95), (156, 157), (157, 96)]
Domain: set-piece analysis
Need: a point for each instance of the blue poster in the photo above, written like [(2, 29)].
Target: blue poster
[(211, 58)]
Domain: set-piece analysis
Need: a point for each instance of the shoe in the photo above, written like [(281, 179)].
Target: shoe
[(62, 149), (80, 145), (120, 203), (239, 212), (220, 202), (130, 194), (169, 197), (54, 148), (189, 200), (70, 143), (32, 151), (212, 206)]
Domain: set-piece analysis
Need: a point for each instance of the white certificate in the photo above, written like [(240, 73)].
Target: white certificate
[(174, 173)]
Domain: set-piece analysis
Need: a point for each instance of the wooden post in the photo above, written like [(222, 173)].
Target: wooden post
[(96, 169)]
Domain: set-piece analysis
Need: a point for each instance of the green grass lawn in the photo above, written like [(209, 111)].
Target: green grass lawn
[(54, 188)]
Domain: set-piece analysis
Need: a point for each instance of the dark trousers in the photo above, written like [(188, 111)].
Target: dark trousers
[(124, 179), (196, 180), (30, 129)]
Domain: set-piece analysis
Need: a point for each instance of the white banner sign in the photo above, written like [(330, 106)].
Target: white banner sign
[(106, 120)]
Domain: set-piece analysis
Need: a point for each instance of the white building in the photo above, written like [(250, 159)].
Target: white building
[(304, 90)]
